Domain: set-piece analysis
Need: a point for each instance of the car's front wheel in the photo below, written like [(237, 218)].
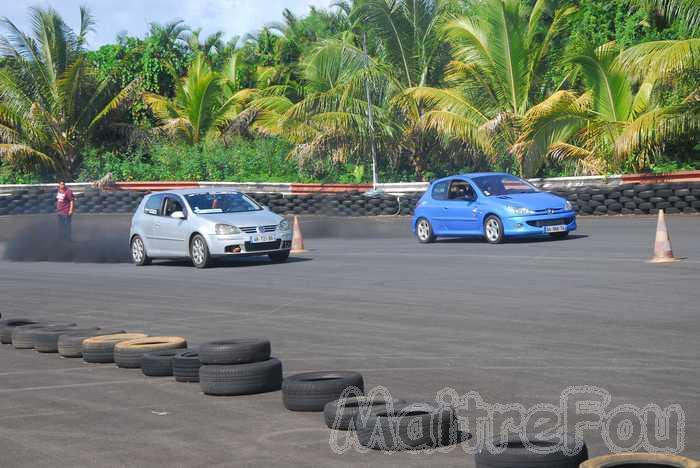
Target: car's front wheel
[(279, 257), (493, 230), (138, 252), (424, 231), (199, 252)]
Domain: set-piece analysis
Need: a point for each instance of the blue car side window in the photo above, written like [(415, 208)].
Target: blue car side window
[(440, 191)]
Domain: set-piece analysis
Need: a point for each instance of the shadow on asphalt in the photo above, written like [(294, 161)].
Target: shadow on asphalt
[(228, 262), (524, 240)]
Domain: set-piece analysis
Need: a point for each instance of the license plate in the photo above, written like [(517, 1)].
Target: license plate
[(262, 238), (560, 228)]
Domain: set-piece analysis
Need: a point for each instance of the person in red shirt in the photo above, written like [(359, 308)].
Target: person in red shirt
[(65, 202)]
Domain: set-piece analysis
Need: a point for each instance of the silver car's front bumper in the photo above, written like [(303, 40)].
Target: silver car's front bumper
[(241, 244)]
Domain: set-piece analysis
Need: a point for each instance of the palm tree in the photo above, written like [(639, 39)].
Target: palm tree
[(206, 102), (499, 49), (51, 98), (613, 126)]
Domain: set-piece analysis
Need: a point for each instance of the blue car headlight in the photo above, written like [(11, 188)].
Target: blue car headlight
[(519, 210), (568, 206)]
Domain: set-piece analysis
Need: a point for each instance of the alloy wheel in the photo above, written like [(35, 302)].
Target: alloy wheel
[(198, 251), (493, 230), (137, 250)]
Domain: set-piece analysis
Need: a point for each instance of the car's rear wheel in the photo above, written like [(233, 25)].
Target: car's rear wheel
[(199, 252), (559, 235), (138, 252), (279, 257), (493, 230), (424, 231)]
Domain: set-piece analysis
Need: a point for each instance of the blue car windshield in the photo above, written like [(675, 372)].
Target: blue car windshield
[(498, 185), (212, 203)]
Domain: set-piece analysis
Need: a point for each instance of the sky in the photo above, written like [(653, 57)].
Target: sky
[(234, 17)]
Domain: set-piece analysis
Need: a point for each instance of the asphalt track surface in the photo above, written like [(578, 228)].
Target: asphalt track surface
[(517, 323)]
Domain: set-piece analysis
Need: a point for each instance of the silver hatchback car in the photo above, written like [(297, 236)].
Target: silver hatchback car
[(202, 224)]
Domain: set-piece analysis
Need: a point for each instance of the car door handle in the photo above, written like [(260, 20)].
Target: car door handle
[(157, 225), (445, 208)]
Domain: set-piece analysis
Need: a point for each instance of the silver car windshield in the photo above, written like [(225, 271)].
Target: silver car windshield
[(213, 203), (498, 185)]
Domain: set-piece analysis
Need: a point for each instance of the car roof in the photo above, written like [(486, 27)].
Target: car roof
[(471, 175), (193, 191)]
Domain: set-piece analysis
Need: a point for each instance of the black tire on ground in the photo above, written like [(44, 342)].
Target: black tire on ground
[(338, 414), (641, 460), (279, 257), (234, 351), (8, 326), (515, 453), (102, 350), (311, 391), (70, 345), (25, 337), (199, 252), (128, 354), (241, 379), (493, 230), (46, 340), (410, 427), (186, 366), (158, 363)]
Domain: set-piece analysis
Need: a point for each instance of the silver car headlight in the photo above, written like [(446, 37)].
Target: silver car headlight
[(226, 229), (568, 206), (519, 210), (283, 225)]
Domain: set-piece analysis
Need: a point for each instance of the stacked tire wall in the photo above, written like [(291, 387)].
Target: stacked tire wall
[(587, 200)]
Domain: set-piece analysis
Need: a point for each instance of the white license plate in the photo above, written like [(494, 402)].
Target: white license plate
[(560, 228), (262, 238)]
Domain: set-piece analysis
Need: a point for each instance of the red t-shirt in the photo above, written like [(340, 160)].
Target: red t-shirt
[(63, 200)]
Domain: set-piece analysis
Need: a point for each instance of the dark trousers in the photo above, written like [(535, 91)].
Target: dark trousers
[(64, 227)]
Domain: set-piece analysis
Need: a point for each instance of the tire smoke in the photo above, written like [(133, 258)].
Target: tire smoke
[(96, 239)]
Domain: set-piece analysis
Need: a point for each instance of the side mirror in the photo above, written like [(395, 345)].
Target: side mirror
[(178, 215), (266, 208), (470, 197)]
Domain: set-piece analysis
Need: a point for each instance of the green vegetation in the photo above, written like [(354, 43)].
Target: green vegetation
[(536, 87)]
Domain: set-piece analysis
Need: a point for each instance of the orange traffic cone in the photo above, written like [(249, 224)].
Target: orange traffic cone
[(297, 238), (662, 246)]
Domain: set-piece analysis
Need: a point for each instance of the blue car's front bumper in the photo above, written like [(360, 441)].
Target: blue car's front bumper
[(536, 225)]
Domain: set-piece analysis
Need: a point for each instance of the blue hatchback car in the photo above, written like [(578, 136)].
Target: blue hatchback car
[(493, 205)]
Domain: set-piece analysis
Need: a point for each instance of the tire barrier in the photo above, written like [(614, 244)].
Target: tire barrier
[(46, 340), (186, 366), (100, 349), (338, 414), (396, 430), (311, 391), (127, 354), (380, 424), (683, 197), (241, 379), (238, 367), (513, 452), (8, 326), (632, 460), (26, 337), (70, 345), (240, 351), (158, 363)]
